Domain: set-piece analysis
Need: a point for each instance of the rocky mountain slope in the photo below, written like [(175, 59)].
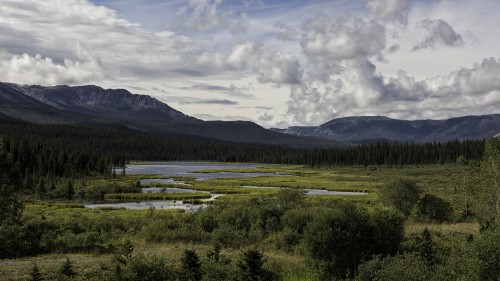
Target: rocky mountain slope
[(110, 103), (16, 104)]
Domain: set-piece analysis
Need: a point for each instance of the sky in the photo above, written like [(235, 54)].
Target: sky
[(278, 63)]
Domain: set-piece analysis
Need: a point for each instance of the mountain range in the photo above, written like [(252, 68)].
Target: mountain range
[(378, 128), (95, 105), (118, 107)]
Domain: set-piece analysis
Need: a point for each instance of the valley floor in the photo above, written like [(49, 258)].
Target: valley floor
[(90, 237)]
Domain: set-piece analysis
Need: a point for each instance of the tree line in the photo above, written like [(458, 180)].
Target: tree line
[(72, 151)]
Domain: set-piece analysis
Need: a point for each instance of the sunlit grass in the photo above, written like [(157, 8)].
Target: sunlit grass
[(445, 229)]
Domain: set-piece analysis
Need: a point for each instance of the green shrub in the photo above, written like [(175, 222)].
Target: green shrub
[(401, 194), (338, 239), (433, 208), (190, 267), (35, 273), (488, 253), (144, 268), (251, 268), (408, 267), (67, 268)]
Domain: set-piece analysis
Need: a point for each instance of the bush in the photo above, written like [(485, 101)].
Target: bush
[(408, 267), (35, 273), (433, 208), (251, 268), (338, 239), (401, 194), (190, 267), (67, 268), (143, 268), (388, 227), (488, 253)]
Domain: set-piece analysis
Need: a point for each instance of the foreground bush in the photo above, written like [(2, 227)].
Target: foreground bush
[(143, 268), (408, 267), (338, 239)]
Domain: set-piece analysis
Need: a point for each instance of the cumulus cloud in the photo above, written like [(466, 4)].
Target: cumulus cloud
[(355, 84), (391, 10), (360, 90), (331, 62), (441, 33), (340, 75), (26, 69), (272, 66), (340, 78), (340, 39), (83, 43), (475, 82)]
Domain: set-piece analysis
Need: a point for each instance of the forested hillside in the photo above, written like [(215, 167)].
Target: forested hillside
[(84, 150)]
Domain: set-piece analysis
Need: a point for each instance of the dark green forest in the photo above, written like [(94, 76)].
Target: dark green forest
[(78, 151)]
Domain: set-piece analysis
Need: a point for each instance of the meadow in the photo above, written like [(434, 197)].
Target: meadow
[(90, 237)]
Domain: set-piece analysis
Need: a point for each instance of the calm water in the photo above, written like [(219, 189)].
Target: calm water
[(163, 181), (165, 190), (168, 204), (164, 204), (189, 169), (315, 191)]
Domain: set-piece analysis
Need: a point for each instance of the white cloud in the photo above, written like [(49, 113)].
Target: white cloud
[(440, 34), (360, 90), (26, 69), (266, 117), (477, 82), (272, 66), (343, 38), (83, 43), (330, 59), (392, 10), (241, 26), (208, 15), (203, 14)]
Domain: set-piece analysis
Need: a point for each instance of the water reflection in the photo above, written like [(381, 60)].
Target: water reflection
[(162, 205), (191, 169)]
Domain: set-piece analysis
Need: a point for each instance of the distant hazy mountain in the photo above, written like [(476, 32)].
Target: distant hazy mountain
[(376, 128), (92, 104)]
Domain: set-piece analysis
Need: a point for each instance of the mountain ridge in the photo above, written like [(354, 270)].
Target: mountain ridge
[(94, 105), (366, 128), (94, 100), (91, 104)]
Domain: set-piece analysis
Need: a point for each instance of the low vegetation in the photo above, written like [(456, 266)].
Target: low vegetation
[(417, 222)]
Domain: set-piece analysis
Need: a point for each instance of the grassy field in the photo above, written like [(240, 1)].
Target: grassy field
[(440, 180)]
